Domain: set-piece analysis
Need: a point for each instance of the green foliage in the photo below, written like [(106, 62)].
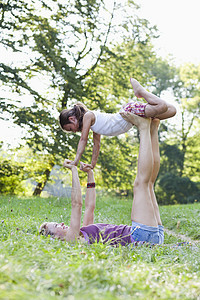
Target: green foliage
[(70, 47), (192, 163), (171, 159), (21, 167), (187, 92), (73, 54), (175, 184), (118, 165), (162, 75), (109, 86), (37, 267), (174, 189), (12, 175)]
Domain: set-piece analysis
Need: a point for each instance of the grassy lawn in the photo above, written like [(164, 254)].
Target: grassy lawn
[(36, 267)]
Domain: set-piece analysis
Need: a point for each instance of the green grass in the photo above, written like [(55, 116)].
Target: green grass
[(36, 267), (186, 216)]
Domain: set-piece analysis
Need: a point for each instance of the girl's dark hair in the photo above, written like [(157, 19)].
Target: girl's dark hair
[(78, 111)]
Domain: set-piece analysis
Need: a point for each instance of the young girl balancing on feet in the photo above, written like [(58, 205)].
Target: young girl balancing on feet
[(79, 118)]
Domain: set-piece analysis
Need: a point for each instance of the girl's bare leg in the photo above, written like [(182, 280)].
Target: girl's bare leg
[(156, 166), (171, 111), (156, 107), (142, 209)]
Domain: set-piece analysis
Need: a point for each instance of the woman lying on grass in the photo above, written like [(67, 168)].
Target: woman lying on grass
[(145, 216)]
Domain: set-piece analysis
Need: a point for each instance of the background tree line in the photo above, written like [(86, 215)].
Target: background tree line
[(69, 51)]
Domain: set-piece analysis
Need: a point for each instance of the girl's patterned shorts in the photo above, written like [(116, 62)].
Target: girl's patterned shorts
[(138, 108)]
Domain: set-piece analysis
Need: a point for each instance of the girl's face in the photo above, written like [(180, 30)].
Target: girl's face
[(73, 125)]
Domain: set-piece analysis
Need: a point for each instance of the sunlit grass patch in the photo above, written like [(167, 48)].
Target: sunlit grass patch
[(184, 219), (36, 267)]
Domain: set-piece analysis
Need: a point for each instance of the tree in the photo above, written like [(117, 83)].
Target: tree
[(179, 173), (11, 175), (187, 91), (192, 158), (63, 43), (171, 158), (173, 189)]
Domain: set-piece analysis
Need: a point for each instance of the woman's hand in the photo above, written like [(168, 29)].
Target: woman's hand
[(85, 167), (129, 117)]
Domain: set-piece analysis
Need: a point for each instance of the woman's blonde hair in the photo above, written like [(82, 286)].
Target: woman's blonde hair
[(44, 231)]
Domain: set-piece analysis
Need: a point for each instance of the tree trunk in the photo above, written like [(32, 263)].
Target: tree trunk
[(40, 186)]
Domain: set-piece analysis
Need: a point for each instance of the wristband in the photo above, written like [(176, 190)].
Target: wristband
[(90, 185)]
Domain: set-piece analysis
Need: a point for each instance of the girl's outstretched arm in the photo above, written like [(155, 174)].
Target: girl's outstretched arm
[(87, 122), (95, 153), (96, 148)]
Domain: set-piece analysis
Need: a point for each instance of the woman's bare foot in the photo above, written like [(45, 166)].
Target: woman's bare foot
[(139, 122), (138, 89)]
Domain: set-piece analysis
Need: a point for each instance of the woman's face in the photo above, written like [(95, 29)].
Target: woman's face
[(57, 229), (73, 125)]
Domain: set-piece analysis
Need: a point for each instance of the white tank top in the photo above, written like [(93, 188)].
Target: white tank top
[(109, 124)]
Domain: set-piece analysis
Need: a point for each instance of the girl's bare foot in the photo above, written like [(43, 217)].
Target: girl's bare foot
[(138, 89)]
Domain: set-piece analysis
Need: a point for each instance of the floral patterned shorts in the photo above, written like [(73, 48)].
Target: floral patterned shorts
[(138, 108)]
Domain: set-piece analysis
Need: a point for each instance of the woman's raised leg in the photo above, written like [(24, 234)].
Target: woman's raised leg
[(156, 166), (142, 208)]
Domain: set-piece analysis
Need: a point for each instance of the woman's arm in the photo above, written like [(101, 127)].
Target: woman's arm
[(76, 203), (90, 198), (87, 121)]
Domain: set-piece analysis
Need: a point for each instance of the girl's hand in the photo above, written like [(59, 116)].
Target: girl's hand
[(68, 164), (85, 167)]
